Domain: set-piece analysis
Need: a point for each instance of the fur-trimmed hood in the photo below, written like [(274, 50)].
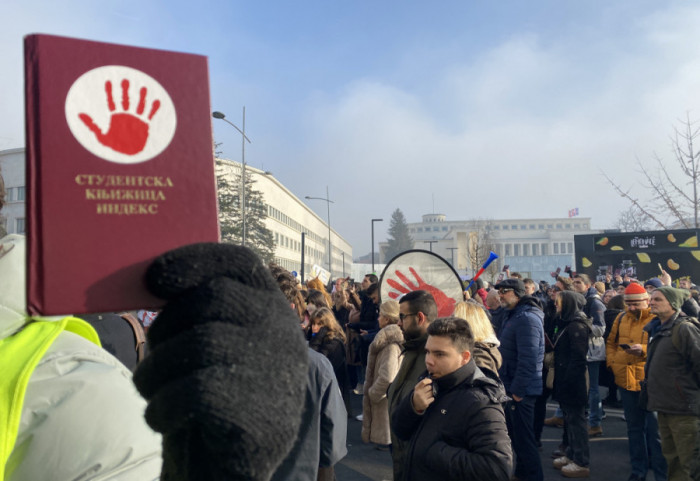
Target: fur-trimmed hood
[(390, 334)]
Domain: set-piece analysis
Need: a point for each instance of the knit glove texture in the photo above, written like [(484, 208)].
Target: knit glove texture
[(226, 375)]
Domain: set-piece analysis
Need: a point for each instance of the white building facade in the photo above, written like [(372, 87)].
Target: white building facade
[(533, 247), (288, 217), (13, 173)]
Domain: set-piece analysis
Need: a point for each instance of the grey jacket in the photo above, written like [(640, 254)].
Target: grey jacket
[(673, 375), (322, 436)]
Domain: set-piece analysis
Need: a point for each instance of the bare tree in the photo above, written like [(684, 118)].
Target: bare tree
[(633, 220), (672, 202), (479, 245)]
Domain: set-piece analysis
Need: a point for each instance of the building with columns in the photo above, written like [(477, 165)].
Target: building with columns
[(533, 247)]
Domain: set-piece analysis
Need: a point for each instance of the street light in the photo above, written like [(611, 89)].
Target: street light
[(328, 202), (221, 116), (373, 221)]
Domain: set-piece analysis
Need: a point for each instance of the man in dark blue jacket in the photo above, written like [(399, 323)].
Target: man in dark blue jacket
[(522, 347)]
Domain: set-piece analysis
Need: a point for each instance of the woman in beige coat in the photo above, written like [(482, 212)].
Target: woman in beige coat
[(382, 365)]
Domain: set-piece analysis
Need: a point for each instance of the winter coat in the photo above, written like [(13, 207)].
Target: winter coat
[(82, 417), (462, 435), (522, 348), (323, 432), (628, 329), (487, 356), (382, 366), (571, 346), (334, 350), (673, 376), (412, 366)]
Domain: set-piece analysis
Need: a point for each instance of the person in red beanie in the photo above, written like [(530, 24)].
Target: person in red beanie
[(626, 354)]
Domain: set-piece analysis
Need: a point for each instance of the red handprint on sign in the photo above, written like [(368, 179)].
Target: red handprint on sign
[(445, 304), (127, 133)]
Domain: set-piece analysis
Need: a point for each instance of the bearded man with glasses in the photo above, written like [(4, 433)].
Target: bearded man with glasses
[(417, 309)]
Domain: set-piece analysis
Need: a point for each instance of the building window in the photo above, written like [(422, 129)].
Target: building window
[(545, 250), (535, 248), (420, 229), (532, 226), (559, 226), (496, 227), (514, 227), (541, 226), (568, 226), (523, 227), (516, 249), (444, 229), (556, 248), (508, 249), (526, 249), (577, 226), (505, 227), (19, 223), (436, 229), (550, 226), (563, 247), (570, 247)]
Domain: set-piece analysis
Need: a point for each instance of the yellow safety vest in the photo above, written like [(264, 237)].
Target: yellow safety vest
[(19, 356)]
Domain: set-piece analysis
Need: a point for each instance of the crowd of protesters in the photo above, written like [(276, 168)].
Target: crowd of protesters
[(456, 397)]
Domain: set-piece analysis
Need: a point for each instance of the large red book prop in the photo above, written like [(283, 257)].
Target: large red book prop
[(120, 169)]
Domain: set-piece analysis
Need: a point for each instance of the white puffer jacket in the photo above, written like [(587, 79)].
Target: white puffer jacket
[(82, 417)]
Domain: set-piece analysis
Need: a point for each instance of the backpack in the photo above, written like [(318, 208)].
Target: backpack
[(139, 335)]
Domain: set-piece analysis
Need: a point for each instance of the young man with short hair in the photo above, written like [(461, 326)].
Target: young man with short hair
[(453, 418)]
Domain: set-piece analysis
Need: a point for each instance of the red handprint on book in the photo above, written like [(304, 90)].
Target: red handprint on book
[(127, 133), (445, 304)]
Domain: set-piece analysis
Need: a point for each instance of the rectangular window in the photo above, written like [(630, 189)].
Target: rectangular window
[(20, 225), (535, 249), (556, 248), (523, 227), (10, 194), (541, 226), (532, 226), (526, 249), (420, 229), (516, 249), (496, 227), (558, 226), (570, 247), (577, 226), (550, 226), (444, 228), (563, 247), (505, 227), (568, 226), (508, 248), (514, 227), (545, 250)]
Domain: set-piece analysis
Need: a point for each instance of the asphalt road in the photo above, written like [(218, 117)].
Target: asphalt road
[(609, 454)]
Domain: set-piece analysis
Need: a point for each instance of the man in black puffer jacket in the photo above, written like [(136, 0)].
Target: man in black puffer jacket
[(454, 417)]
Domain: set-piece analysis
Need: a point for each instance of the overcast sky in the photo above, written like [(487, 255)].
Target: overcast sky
[(469, 108)]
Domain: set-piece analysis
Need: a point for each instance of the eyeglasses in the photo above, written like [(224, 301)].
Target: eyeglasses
[(404, 316), (503, 290)]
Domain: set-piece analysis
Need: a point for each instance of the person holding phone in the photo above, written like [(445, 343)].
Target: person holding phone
[(626, 354)]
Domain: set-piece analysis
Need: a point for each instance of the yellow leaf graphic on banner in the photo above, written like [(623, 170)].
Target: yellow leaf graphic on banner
[(643, 257)]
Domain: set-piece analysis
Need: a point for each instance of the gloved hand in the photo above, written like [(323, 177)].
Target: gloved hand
[(226, 376)]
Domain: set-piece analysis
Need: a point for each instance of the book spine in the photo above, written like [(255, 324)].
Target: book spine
[(35, 288)]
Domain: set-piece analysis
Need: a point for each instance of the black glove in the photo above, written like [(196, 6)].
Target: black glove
[(226, 376)]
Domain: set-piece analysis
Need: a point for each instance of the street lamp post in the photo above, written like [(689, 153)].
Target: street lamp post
[(373, 221), (328, 203), (221, 116)]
